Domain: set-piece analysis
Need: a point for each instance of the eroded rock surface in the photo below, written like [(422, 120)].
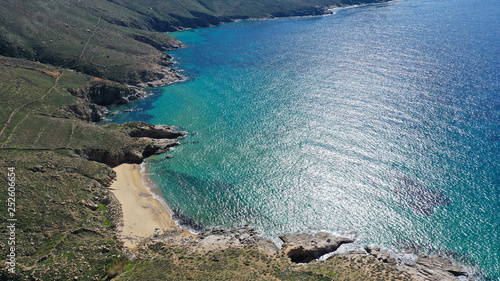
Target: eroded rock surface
[(220, 239), (139, 141), (155, 131), (425, 268), (306, 247)]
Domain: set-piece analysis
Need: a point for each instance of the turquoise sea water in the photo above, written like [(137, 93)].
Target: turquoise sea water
[(381, 121)]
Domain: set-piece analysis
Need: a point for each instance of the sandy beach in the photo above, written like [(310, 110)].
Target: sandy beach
[(143, 215)]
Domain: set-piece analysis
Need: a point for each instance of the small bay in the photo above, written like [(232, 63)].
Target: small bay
[(380, 121)]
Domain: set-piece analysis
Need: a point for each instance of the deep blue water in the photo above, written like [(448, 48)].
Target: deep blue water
[(379, 120)]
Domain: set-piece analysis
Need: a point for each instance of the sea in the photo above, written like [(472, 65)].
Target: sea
[(379, 122)]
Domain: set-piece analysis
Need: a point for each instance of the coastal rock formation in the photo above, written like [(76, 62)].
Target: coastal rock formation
[(425, 268), (218, 239), (381, 255), (243, 236), (433, 268), (197, 20), (140, 141), (107, 93), (89, 112), (133, 153), (141, 129), (100, 93), (306, 247), (304, 11), (173, 44), (164, 76)]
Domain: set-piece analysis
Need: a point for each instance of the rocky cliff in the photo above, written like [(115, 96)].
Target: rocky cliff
[(140, 140)]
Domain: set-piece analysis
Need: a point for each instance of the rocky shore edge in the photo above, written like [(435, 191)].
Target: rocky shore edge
[(306, 248), (102, 93), (145, 140)]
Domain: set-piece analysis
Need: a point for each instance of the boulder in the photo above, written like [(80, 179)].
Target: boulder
[(154, 131), (306, 247)]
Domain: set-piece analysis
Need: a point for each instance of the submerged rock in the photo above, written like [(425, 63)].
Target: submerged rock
[(421, 199), (185, 221)]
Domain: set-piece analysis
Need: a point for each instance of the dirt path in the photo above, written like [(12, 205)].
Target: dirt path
[(23, 106)]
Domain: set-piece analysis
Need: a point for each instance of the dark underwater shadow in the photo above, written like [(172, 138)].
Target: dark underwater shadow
[(419, 198), (185, 221), (135, 110), (218, 199)]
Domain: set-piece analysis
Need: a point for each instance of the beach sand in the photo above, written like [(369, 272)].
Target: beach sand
[(143, 215)]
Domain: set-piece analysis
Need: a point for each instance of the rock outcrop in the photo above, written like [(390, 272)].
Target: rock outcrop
[(141, 140), (306, 247), (219, 239), (433, 268), (164, 76), (89, 112), (141, 130), (425, 268), (243, 236), (107, 93)]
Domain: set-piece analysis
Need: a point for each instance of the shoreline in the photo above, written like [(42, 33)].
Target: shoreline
[(144, 216), (148, 219)]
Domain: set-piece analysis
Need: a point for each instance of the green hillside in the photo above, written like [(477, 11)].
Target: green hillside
[(119, 39), (83, 36), (55, 233), (66, 217)]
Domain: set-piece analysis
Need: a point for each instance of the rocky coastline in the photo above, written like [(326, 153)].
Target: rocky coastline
[(102, 93), (305, 248), (143, 141)]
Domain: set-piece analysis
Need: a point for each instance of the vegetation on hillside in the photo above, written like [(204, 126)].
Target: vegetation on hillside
[(66, 217), (85, 36), (117, 39), (164, 262)]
